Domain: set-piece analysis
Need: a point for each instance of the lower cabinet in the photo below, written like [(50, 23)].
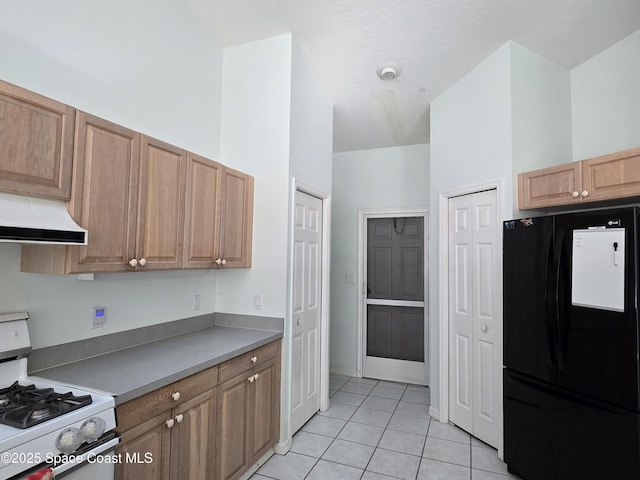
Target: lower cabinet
[(248, 411), (212, 425)]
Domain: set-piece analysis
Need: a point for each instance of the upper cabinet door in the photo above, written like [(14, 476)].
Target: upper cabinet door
[(559, 185), (161, 203), (36, 144), (612, 176), (202, 225), (107, 158), (236, 219)]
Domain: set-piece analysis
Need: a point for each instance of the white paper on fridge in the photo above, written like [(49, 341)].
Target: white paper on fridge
[(597, 270)]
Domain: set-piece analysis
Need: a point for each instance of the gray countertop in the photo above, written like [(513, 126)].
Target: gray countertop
[(138, 369)]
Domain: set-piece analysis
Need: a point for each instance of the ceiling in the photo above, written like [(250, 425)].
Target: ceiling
[(433, 42)]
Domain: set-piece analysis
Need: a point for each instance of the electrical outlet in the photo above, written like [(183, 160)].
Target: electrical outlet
[(196, 302), (98, 317)]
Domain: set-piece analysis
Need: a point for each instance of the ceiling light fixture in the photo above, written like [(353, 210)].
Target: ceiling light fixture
[(388, 73)]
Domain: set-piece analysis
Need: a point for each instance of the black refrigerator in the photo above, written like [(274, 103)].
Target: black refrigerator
[(571, 386)]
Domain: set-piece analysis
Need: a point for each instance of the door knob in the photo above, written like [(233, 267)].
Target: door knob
[(252, 379), (169, 423), (142, 262), (133, 262), (585, 193), (179, 418), (484, 328), (175, 396), (575, 194), (299, 321)]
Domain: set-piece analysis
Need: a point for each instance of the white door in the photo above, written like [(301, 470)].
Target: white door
[(395, 331), (307, 272), (474, 369)]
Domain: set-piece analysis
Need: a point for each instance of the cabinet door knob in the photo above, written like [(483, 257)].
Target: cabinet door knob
[(575, 194), (585, 193), (142, 262), (255, 377), (133, 262), (254, 359), (169, 423), (218, 261), (179, 418), (252, 379), (175, 396)]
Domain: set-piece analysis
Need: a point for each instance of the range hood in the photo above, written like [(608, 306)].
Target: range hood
[(36, 220)]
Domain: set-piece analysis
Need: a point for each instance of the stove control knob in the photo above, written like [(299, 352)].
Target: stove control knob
[(69, 440), (92, 428)]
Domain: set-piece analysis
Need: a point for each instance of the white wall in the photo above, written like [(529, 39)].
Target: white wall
[(311, 125), (255, 138), (146, 66), (386, 177), (606, 100)]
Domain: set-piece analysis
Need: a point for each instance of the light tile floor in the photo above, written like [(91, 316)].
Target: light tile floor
[(377, 430)]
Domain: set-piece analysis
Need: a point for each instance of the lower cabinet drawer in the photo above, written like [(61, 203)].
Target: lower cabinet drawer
[(247, 361)]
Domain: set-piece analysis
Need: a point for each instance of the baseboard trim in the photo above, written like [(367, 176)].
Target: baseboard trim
[(282, 447), (435, 413), (342, 371)]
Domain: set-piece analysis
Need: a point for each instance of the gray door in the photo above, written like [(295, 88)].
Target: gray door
[(395, 323)]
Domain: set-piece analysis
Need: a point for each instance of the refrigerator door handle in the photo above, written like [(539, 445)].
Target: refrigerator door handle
[(557, 255), (548, 295)]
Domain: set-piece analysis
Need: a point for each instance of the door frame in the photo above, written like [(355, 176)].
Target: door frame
[(363, 215), (286, 435), (443, 301)]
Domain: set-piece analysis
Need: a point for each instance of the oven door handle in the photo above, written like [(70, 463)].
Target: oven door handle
[(89, 455)]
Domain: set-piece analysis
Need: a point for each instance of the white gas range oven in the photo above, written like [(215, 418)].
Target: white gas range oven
[(49, 430)]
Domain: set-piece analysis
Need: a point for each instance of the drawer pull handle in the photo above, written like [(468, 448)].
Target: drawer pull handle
[(254, 359), (252, 379), (179, 418), (169, 423), (175, 396)]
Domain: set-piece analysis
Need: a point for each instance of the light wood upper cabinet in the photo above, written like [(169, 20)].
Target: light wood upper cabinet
[(104, 201), (559, 185), (607, 177), (161, 203), (128, 192), (36, 144), (202, 226), (236, 219), (148, 205), (612, 176), (218, 232)]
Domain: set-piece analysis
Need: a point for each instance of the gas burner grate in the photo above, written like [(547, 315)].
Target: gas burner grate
[(23, 406)]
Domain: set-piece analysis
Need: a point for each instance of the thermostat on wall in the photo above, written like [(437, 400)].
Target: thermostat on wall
[(98, 317)]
